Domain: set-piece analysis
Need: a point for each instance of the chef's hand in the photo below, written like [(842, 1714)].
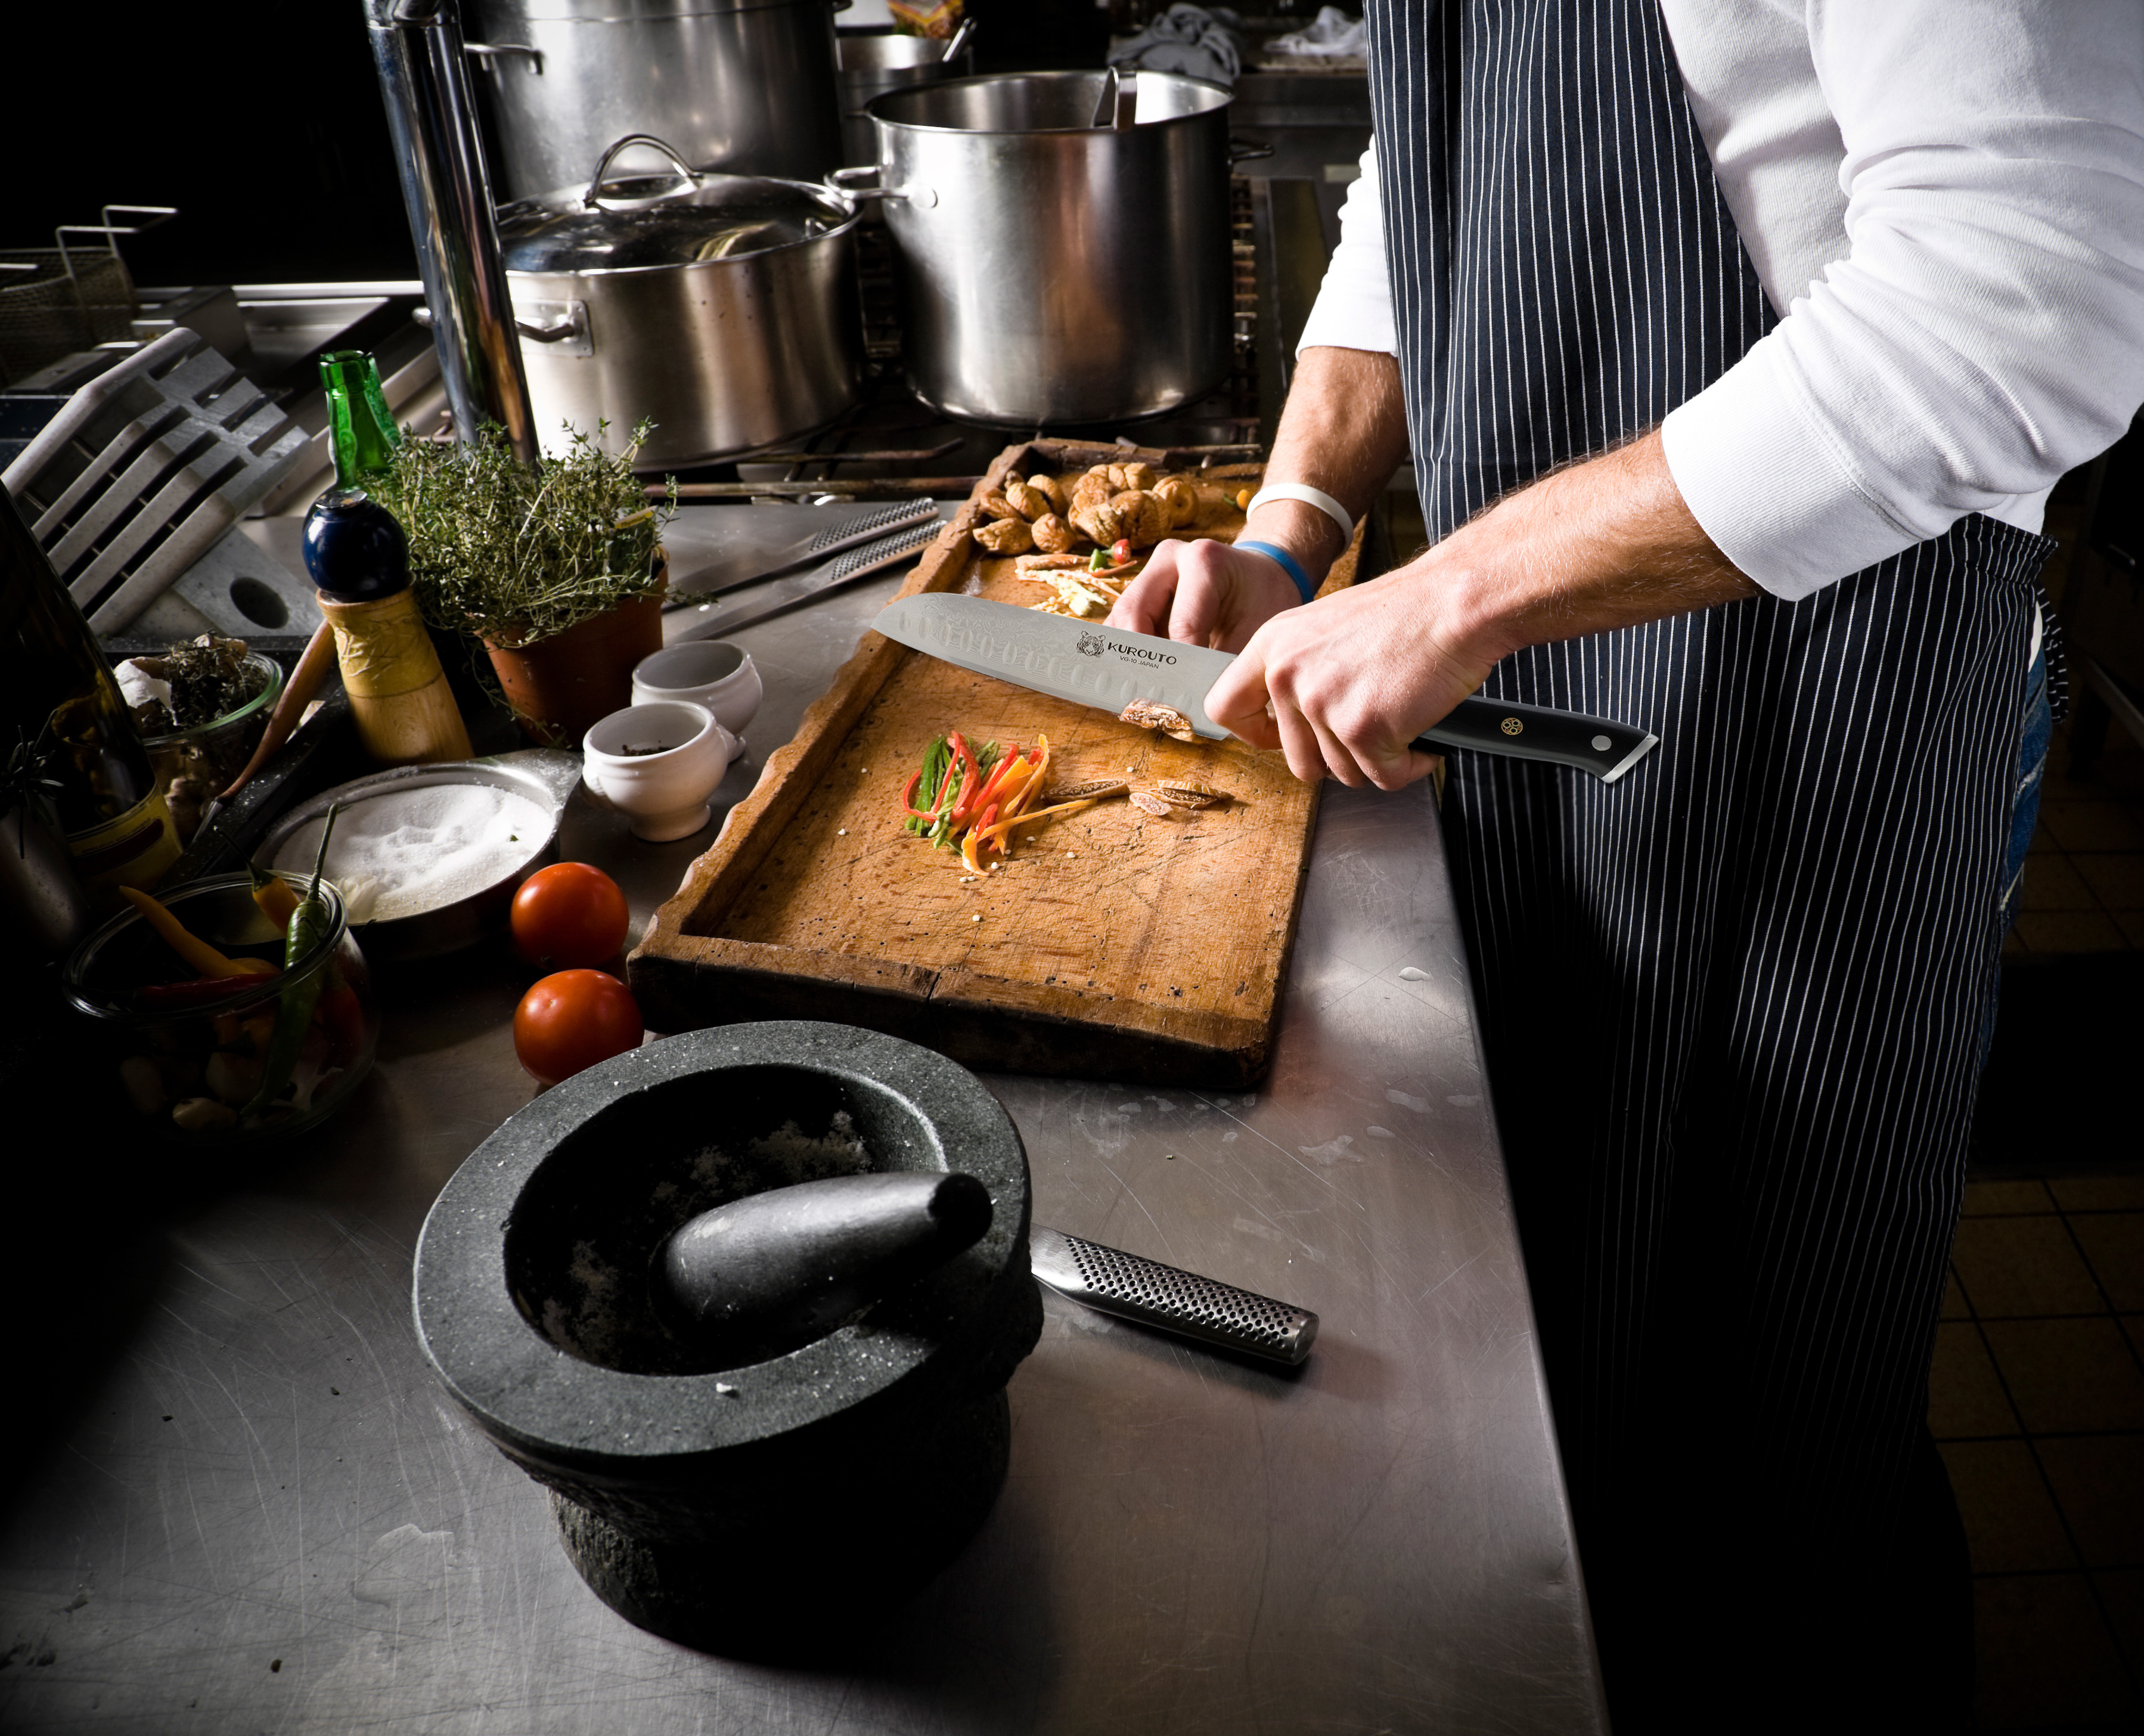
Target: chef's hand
[(1209, 593), (1344, 685), (1204, 594)]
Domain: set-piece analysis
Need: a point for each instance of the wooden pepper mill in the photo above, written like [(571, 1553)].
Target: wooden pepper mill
[(356, 553)]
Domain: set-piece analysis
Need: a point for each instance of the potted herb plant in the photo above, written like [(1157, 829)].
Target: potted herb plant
[(560, 572)]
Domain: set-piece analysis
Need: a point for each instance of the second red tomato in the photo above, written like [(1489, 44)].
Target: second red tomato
[(573, 1020), (569, 915)]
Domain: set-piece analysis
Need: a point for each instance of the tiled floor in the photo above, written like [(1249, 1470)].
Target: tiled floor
[(2037, 1401), (2084, 881)]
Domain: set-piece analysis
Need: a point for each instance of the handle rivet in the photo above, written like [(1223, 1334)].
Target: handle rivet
[(1601, 744), (1512, 726)]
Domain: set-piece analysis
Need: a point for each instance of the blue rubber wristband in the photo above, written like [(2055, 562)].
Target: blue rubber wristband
[(1287, 565)]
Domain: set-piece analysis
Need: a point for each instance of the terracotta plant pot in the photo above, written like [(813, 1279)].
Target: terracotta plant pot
[(559, 686)]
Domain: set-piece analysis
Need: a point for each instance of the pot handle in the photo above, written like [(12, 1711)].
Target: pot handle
[(923, 198), (490, 54), (961, 37), (687, 182)]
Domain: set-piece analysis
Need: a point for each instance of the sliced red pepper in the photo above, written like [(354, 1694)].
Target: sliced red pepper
[(968, 785), (983, 827), (197, 992), (908, 799), (343, 1015)]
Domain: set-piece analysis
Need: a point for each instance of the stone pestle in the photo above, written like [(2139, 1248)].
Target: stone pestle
[(775, 1269)]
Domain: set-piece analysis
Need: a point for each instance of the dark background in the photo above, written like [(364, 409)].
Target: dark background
[(262, 123)]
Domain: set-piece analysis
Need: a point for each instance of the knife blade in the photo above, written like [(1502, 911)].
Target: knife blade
[(806, 587), (1168, 1297), (1108, 667)]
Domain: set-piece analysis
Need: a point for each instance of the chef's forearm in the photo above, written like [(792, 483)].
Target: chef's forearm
[(1343, 430), (1608, 543)]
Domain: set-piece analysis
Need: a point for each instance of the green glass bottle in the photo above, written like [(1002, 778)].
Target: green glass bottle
[(60, 706), (360, 427)]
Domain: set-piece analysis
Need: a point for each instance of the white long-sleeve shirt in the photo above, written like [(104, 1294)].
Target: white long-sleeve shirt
[(1945, 200)]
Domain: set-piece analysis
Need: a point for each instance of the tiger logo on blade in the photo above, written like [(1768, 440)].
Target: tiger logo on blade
[(1091, 645)]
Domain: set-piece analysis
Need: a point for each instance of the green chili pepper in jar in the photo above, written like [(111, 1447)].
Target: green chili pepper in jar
[(309, 923)]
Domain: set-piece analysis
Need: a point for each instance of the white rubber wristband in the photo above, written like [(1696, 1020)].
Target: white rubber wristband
[(1309, 496)]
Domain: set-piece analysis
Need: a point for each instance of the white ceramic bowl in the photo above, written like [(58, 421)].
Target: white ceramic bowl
[(709, 672), (658, 764)]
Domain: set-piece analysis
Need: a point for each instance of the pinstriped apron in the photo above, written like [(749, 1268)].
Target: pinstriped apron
[(1732, 1004)]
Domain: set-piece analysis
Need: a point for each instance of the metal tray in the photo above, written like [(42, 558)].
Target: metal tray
[(545, 777)]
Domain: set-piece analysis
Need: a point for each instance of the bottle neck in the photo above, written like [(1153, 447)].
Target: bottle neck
[(362, 428)]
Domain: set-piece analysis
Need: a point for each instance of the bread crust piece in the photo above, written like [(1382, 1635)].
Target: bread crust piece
[(1144, 518), (1180, 499), (1153, 714), (1091, 489), (1006, 536), (1052, 534), (1099, 520)]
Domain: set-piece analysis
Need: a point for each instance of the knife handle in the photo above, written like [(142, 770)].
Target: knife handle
[(1592, 744)]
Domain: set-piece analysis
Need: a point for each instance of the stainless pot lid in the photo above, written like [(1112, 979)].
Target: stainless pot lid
[(639, 222)]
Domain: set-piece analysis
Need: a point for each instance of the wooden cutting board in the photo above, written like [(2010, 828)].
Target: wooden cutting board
[(1110, 944)]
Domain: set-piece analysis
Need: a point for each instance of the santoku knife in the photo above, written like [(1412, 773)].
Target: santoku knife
[(1109, 668)]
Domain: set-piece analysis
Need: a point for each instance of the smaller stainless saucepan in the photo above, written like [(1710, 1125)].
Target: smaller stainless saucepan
[(723, 307)]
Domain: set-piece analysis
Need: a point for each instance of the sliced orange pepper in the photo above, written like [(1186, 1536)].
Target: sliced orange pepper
[(203, 958), (998, 832)]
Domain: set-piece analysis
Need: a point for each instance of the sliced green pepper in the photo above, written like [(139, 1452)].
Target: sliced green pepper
[(309, 923)]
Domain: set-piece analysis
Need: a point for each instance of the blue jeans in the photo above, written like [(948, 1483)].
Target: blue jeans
[(2024, 813)]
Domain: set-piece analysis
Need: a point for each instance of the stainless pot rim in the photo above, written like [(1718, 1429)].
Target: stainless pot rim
[(500, 16), (941, 89), (818, 192)]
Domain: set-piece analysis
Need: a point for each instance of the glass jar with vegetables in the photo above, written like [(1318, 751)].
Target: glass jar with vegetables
[(236, 1009)]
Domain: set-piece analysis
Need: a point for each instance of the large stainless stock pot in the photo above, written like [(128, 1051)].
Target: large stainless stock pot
[(724, 307), (874, 62), (1056, 271), (746, 86)]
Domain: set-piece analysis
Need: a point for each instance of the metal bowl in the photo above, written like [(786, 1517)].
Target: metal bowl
[(543, 776)]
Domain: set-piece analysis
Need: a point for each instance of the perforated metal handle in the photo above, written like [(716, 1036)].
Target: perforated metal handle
[(1160, 1296)]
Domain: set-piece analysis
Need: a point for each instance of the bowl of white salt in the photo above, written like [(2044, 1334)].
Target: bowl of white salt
[(428, 858)]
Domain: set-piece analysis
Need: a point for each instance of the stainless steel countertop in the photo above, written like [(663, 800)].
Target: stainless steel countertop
[(268, 1516)]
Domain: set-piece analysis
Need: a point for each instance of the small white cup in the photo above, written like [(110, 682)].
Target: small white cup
[(658, 764), (709, 672)]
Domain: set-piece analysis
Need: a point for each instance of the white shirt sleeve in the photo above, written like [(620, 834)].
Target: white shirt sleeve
[(1984, 331), (1354, 306)]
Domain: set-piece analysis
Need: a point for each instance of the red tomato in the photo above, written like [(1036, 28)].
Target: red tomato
[(573, 1020), (570, 914)]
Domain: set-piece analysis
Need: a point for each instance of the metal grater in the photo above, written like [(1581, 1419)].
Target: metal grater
[(1155, 1295), (808, 587), (900, 515), (724, 576)]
